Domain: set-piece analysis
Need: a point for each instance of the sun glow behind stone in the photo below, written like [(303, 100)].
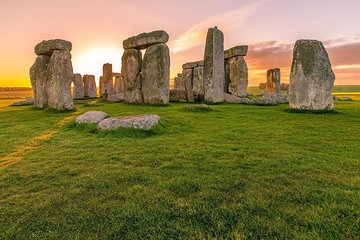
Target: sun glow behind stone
[(91, 61)]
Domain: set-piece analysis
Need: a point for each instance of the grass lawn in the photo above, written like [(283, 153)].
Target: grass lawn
[(231, 173)]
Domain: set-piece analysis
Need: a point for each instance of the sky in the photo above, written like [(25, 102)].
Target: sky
[(97, 28)]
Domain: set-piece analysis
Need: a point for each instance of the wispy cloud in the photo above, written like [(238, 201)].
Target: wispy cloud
[(196, 35)]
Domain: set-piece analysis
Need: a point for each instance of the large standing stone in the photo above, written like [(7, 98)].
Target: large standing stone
[(131, 72), (108, 79), (187, 77), (214, 66), (101, 85), (78, 87), (238, 76), (60, 79), (311, 78), (179, 83), (49, 46), (273, 85), (144, 40), (155, 71), (89, 86), (198, 80), (118, 83), (39, 80)]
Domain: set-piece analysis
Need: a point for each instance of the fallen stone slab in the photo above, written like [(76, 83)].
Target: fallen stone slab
[(346, 98), (197, 106), (236, 51), (49, 46), (144, 40), (144, 122), (27, 102), (119, 97), (91, 117), (229, 98)]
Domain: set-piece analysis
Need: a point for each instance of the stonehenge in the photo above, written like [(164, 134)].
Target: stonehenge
[(214, 76), (178, 82), (118, 83), (236, 71), (78, 87), (52, 74), (311, 78), (273, 84), (192, 77), (89, 86), (146, 80)]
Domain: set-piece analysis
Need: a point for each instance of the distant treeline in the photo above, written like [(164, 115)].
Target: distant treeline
[(13, 89)]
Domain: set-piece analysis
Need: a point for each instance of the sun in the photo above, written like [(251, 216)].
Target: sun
[(90, 61)]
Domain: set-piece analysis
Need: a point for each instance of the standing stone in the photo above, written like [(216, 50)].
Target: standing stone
[(108, 79), (179, 82), (89, 86), (78, 87), (118, 84), (52, 74), (311, 78), (101, 85), (198, 80), (155, 72), (39, 79), (227, 75), (214, 76), (238, 76), (60, 79), (273, 85), (131, 71), (187, 77)]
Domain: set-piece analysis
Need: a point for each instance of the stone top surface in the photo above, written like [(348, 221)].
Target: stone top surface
[(193, 64), (236, 51), (49, 46), (91, 117), (146, 122), (144, 40)]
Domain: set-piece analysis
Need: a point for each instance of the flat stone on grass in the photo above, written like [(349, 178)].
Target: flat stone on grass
[(91, 117), (145, 122)]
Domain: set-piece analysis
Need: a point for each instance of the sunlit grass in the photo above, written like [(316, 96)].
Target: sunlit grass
[(235, 172)]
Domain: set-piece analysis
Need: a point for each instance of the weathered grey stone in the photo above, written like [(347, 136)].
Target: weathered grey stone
[(145, 122), (198, 80), (193, 64), (155, 71), (214, 66), (49, 46), (229, 98), (266, 101), (273, 85), (78, 86), (27, 102), (311, 78), (227, 75), (187, 77), (131, 71), (91, 117), (197, 106), (118, 84), (178, 95), (89, 86), (238, 76), (144, 40), (39, 79), (108, 79), (346, 98), (101, 85), (60, 78), (280, 99), (119, 97), (236, 51)]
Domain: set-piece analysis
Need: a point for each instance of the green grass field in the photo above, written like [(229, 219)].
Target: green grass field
[(236, 172)]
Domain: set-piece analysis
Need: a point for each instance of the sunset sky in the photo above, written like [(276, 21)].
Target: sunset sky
[(97, 28)]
